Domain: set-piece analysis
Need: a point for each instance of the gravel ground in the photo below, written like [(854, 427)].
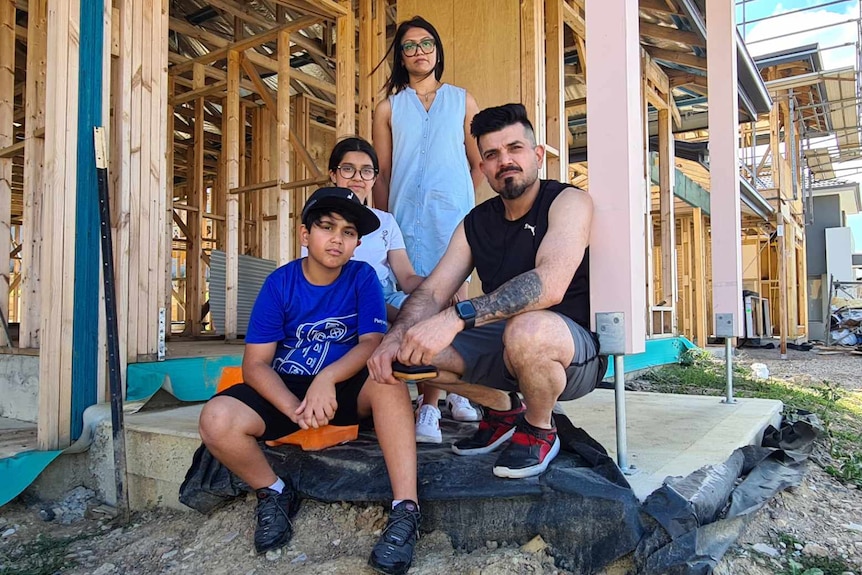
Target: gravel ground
[(821, 519)]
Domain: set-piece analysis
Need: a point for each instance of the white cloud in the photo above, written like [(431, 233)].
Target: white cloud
[(802, 27)]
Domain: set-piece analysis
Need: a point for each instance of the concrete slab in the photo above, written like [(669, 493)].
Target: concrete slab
[(671, 434), (668, 435)]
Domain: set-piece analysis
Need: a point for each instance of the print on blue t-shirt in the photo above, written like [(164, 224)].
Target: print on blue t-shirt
[(315, 325)]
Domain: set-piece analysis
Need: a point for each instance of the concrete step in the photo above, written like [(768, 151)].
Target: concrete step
[(668, 435)]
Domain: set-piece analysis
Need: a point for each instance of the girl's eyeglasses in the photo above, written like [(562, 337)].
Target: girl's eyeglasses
[(347, 172)]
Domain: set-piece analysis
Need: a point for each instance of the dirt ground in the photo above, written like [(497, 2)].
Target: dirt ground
[(821, 519)]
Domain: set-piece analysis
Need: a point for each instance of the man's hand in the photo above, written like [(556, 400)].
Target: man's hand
[(319, 404), (429, 337), (380, 362)]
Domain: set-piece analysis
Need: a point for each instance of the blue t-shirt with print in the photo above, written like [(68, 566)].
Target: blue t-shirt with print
[(315, 325)]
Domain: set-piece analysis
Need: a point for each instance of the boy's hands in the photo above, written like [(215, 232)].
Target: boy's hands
[(319, 405)]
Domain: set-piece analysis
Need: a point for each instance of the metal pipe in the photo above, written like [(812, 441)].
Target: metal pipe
[(753, 124), (728, 367), (792, 142), (620, 405)]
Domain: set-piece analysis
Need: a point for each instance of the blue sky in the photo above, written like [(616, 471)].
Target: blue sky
[(775, 34)]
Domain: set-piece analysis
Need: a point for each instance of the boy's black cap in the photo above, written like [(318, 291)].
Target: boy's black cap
[(342, 200)]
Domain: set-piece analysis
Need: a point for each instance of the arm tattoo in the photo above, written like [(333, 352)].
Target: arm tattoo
[(521, 293)]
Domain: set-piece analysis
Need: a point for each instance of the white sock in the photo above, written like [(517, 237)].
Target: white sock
[(395, 503), (278, 485)]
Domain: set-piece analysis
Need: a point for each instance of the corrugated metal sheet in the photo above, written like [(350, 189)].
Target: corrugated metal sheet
[(252, 273)]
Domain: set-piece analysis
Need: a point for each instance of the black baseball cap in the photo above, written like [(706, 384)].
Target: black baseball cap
[(342, 201)]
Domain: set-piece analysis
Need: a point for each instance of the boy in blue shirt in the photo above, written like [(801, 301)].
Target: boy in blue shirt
[(313, 327)]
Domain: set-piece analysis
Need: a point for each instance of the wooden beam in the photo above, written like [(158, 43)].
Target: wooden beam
[(16, 149), (232, 113), (246, 43), (329, 8), (666, 172), (345, 64), (574, 20), (699, 303), (254, 187), (367, 60), (671, 34), (243, 12), (555, 120), (683, 58), (7, 147), (283, 135), (531, 63), (657, 6), (194, 198), (781, 243), (202, 92), (34, 183)]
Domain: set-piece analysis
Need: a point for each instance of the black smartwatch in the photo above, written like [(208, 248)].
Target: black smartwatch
[(467, 312)]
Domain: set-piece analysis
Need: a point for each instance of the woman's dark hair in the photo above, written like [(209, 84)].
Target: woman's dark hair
[(499, 117), (352, 144), (400, 79)]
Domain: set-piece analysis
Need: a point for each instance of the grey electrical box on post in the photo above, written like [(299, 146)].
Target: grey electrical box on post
[(724, 325), (611, 329)]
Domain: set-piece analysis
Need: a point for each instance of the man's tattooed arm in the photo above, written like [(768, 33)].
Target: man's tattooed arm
[(519, 294)]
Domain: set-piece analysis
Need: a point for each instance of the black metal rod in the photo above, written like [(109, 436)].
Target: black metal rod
[(114, 375)]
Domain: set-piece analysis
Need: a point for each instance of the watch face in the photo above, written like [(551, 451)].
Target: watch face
[(465, 309)]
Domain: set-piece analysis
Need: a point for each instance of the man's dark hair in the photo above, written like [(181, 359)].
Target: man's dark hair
[(499, 117), (314, 216), (400, 79)]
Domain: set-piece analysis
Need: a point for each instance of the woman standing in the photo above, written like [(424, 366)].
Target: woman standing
[(429, 169)]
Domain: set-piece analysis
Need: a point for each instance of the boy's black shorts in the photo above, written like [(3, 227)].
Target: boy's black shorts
[(278, 424)]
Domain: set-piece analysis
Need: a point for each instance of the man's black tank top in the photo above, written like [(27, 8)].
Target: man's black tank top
[(503, 249)]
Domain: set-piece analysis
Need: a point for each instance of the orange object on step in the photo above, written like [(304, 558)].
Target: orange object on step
[(230, 376), (320, 438)]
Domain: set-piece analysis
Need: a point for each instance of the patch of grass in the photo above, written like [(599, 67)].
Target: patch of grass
[(42, 556), (700, 373)]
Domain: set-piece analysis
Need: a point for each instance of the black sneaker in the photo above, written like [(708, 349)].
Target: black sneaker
[(274, 512), (528, 453), (393, 552), (495, 429)]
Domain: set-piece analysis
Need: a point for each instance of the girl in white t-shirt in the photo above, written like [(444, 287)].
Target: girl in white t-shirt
[(353, 165)]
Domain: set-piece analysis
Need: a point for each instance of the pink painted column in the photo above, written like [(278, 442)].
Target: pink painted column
[(615, 152), (724, 162)]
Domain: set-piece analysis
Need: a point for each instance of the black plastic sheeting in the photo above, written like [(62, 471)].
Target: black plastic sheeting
[(582, 506), (691, 522)]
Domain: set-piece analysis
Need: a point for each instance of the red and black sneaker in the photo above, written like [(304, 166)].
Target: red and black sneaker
[(495, 429), (528, 453)]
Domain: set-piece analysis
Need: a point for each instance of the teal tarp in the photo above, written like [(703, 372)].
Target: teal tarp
[(21, 470), (187, 379)]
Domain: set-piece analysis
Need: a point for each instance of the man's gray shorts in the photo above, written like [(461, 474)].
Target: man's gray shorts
[(481, 348)]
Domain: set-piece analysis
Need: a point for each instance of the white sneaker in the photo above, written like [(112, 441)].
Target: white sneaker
[(428, 425), (461, 408)]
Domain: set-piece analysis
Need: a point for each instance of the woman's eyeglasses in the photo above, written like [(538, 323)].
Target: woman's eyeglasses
[(410, 49), (347, 172)]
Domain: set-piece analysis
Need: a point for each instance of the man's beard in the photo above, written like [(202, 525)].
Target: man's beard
[(513, 189)]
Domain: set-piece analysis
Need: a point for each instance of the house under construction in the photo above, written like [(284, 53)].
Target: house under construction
[(220, 115)]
